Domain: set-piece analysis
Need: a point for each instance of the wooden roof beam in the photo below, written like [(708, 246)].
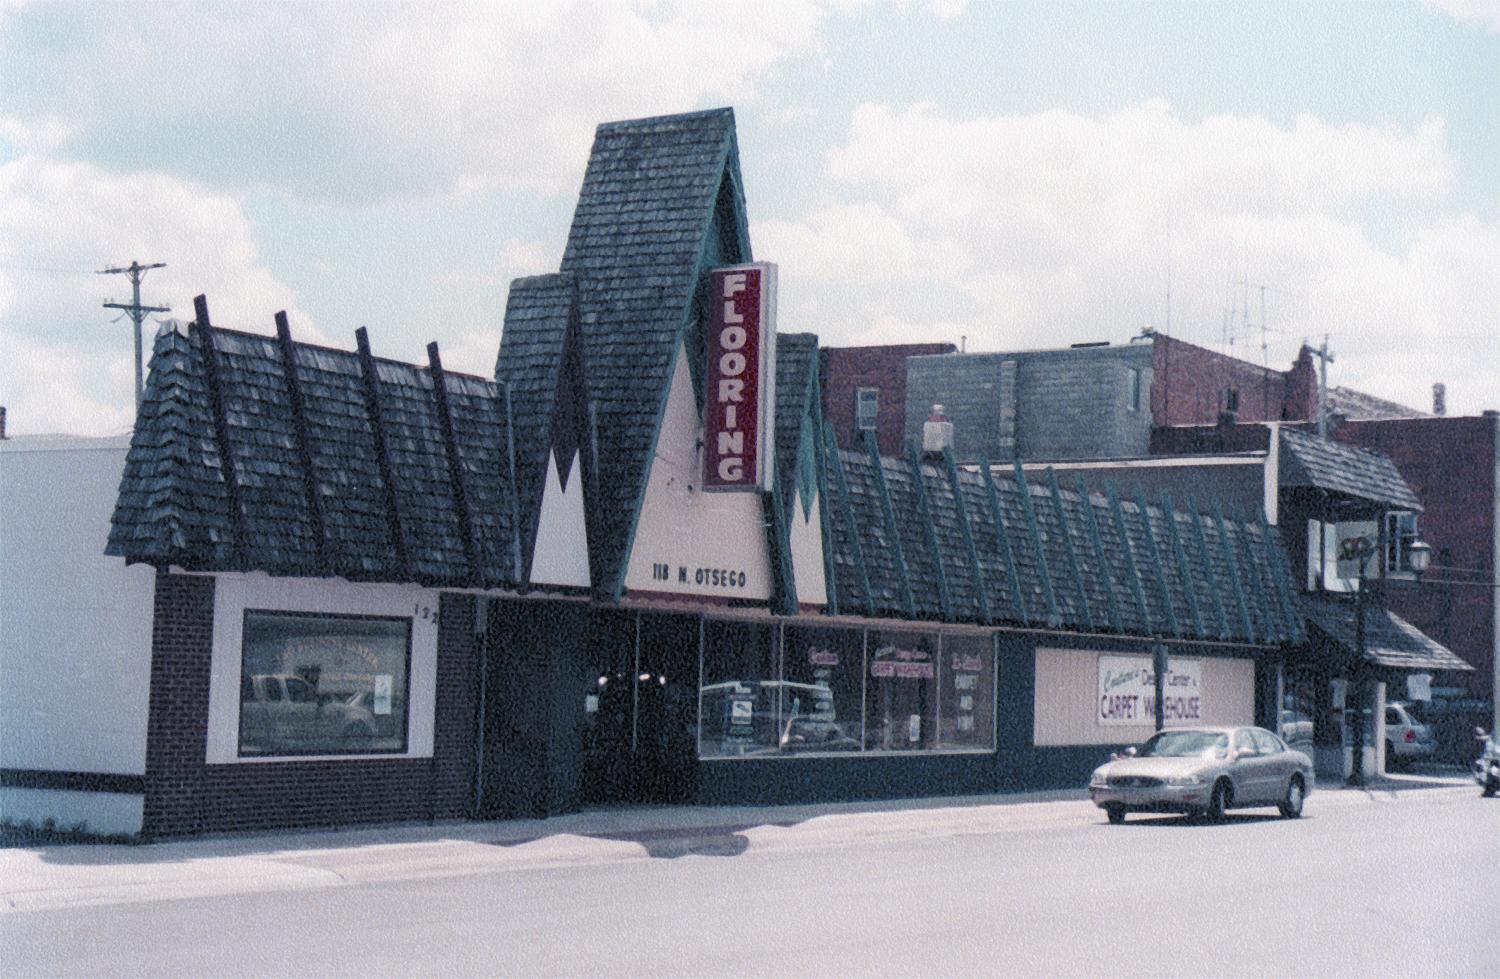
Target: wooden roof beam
[(326, 563), (383, 452), (204, 331)]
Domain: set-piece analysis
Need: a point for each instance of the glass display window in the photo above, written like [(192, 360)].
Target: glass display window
[(822, 691), (321, 684), (901, 691), (739, 703), (967, 682)]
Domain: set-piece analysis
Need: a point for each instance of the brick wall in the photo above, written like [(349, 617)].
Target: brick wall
[(184, 795), (1450, 464), (846, 369), (1190, 384), (182, 641)]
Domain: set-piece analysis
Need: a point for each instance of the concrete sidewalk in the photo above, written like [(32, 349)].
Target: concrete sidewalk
[(55, 877)]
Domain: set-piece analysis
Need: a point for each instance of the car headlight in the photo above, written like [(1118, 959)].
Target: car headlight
[(1098, 781), (1184, 780)]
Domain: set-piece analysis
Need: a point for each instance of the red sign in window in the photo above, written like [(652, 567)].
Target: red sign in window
[(740, 377)]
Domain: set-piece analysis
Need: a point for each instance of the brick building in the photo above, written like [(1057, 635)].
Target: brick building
[(864, 389)]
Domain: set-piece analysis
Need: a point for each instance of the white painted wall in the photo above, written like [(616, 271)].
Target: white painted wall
[(75, 630), (1067, 683), (691, 532), (234, 593), (562, 543), (807, 553)]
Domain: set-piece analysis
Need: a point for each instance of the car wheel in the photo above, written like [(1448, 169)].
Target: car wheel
[(1116, 814), (1219, 800), (1291, 803), (1392, 760), (1491, 787)]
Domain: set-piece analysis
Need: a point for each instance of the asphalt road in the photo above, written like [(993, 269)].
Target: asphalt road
[(1358, 887)]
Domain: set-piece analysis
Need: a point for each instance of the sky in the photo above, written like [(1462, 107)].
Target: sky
[(1245, 176)]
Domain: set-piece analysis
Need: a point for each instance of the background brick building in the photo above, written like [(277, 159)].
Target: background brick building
[(881, 373)]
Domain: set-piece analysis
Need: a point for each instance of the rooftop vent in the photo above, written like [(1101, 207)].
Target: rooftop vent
[(937, 432)]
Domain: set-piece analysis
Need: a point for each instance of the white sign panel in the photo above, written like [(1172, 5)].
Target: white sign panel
[(1127, 691)]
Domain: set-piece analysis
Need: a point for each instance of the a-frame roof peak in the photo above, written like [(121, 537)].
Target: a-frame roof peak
[(661, 201)]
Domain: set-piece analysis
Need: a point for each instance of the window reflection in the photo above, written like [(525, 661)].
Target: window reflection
[(323, 684)]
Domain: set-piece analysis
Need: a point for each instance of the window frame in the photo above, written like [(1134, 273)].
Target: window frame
[(1397, 557), (859, 409), (864, 632), (1133, 388), (284, 752)]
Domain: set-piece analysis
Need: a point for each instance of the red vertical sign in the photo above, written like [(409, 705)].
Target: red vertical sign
[(741, 336)]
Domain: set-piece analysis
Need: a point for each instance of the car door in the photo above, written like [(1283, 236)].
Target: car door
[(1244, 771), (1277, 765)]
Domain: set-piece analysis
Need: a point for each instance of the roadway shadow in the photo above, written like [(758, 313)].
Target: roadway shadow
[(1152, 820), (669, 844)]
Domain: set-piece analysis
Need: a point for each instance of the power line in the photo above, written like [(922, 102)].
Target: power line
[(137, 314)]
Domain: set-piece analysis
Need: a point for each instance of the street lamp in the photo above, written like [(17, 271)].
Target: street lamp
[(1419, 556)]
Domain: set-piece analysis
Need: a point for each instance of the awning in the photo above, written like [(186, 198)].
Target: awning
[(1390, 640), (1308, 462)]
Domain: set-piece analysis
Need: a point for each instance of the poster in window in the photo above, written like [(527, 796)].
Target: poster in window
[(821, 691), (902, 691), (968, 686)]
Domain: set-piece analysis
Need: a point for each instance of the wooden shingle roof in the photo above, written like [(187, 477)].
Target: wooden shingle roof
[(796, 386), (1309, 462), (258, 453), (661, 201), (1389, 639), (902, 533)]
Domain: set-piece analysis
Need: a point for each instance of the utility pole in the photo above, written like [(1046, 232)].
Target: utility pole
[(1325, 359), (137, 314)]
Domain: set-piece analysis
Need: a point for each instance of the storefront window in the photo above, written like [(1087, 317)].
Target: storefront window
[(901, 691), (1298, 708), (967, 676), (822, 692), (313, 684), (739, 708)]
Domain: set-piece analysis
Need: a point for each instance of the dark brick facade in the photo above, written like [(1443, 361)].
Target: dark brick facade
[(846, 369), (1192, 385), (1450, 463), (184, 795)]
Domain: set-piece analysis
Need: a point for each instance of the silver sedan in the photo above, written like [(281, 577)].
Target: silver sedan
[(1203, 771)]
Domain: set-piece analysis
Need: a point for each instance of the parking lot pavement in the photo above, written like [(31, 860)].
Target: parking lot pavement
[(42, 878)]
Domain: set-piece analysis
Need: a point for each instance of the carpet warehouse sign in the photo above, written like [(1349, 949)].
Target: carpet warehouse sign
[(741, 378), (1127, 691)]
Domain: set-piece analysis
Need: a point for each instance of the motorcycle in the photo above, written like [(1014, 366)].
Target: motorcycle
[(1487, 767)]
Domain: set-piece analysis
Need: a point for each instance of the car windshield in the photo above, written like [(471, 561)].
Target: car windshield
[(1185, 744)]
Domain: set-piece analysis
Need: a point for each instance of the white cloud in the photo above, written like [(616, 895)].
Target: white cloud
[(1485, 13), (364, 102), (60, 222), (1050, 228), (48, 388)]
